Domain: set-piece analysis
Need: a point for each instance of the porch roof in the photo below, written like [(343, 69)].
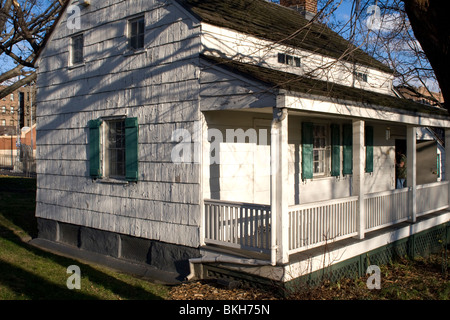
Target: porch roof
[(277, 80)]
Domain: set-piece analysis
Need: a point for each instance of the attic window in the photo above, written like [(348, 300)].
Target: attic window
[(136, 31), (77, 49), (289, 60), (359, 76)]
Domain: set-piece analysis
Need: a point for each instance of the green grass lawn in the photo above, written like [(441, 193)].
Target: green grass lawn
[(28, 273)]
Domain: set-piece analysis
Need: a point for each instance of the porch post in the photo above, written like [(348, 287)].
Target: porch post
[(279, 185), (411, 179), (447, 159), (358, 175)]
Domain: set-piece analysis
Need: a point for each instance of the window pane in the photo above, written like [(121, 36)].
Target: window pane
[(77, 49), (289, 60), (320, 150), (116, 148), (141, 26), (136, 33), (140, 41), (133, 42), (134, 30)]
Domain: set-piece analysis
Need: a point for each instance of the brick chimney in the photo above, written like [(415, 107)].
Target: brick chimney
[(307, 7)]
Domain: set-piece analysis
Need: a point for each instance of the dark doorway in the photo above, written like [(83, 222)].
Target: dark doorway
[(400, 151)]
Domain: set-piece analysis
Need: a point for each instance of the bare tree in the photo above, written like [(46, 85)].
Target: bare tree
[(25, 27), (410, 36), (431, 27)]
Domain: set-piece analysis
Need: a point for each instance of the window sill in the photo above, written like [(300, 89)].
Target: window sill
[(131, 52), (111, 181), (75, 66)]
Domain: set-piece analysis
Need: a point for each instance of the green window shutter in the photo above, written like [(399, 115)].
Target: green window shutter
[(347, 142), (131, 149), (335, 150), (307, 150), (95, 169), (369, 149)]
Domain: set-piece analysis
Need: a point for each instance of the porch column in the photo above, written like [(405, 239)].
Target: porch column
[(411, 179), (358, 175), (447, 159), (279, 185)]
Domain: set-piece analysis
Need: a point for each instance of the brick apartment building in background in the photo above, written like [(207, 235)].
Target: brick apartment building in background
[(423, 96), (18, 108)]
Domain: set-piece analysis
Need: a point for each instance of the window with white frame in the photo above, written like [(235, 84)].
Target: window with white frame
[(3, 109), (360, 76), (113, 148), (289, 60), (321, 150), (114, 145), (12, 109), (136, 32), (3, 122), (76, 52)]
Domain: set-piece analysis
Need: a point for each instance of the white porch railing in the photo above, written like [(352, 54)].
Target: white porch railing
[(432, 197), (386, 208), (314, 224), (237, 224), (247, 226)]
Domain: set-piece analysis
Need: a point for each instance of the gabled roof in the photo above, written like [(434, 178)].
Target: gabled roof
[(276, 23), (275, 80)]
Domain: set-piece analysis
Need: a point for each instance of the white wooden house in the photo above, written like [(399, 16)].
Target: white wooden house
[(232, 134)]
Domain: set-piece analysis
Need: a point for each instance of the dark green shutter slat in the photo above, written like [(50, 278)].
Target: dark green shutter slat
[(347, 143), (307, 150), (94, 148), (369, 149), (335, 150), (131, 149)]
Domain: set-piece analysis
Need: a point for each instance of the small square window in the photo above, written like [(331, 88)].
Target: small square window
[(281, 58), (136, 31), (77, 49), (361, 76)]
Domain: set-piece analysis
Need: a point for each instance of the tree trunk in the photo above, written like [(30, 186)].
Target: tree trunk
[(431, 25)]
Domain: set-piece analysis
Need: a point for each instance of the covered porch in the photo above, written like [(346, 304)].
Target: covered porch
[(289, 213), (260, 195)]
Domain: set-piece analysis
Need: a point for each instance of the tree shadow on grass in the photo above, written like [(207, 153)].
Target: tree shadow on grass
[(32, 286), (18, 197), (18, 202)]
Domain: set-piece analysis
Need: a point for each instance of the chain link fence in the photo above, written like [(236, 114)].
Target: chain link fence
[(21, 160)]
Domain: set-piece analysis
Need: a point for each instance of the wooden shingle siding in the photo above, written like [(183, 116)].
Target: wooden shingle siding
[(159, 86)]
